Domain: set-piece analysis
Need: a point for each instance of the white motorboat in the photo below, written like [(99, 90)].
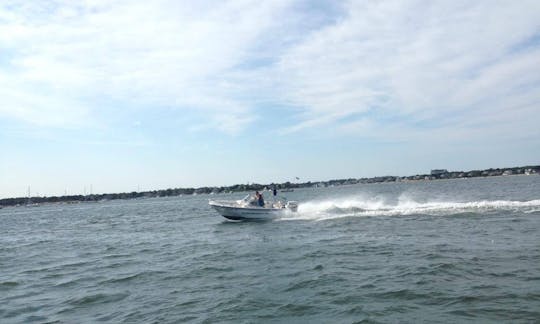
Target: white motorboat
[(248, 209)]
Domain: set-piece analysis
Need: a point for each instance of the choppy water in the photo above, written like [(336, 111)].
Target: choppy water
[(440, 251)]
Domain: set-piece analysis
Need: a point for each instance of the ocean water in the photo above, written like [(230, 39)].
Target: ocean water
[(444, 251)]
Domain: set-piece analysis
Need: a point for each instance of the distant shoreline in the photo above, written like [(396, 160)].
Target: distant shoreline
[(434, 175)]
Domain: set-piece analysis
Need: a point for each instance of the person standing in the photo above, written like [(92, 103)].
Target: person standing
[(260, 200)]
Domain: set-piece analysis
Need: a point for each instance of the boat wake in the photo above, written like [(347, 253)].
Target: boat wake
[(330, 209)]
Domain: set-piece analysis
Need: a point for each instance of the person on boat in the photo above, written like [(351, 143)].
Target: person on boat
[(260, 199), (255, 200)]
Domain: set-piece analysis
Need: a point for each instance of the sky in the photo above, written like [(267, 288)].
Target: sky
[(116, 96)]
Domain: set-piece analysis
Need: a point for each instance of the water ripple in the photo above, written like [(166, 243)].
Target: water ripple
[(455, 251)]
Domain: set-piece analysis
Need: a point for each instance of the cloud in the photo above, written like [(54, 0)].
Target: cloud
[(163, 53), (385, 69), (41, 107), (401, 65)]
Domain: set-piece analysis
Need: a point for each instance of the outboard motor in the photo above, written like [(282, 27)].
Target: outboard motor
[(292, 206)]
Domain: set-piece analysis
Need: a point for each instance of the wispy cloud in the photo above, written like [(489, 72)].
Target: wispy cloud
[(415, 62), (361, 68), (162, 53)]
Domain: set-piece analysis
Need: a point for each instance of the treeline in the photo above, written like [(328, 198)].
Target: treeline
[(252, 187), (143, 194)]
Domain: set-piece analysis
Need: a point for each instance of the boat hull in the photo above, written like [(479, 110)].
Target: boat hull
[(247, 213)]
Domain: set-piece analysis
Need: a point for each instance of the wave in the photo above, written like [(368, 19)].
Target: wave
[(329, 209)]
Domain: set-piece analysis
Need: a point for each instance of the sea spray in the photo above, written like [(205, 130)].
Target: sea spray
[(378, 206)]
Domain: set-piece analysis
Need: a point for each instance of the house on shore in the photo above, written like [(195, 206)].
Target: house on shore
[(436, 172)]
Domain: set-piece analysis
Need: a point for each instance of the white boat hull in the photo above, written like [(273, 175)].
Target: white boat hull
[(235, 211)]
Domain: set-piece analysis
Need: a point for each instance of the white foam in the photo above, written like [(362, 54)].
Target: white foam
[(358, 207)]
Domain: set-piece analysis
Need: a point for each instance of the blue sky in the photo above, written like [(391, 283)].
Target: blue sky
[(127, 95)]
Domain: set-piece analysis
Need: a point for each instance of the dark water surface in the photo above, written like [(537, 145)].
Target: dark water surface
[(439, 251)]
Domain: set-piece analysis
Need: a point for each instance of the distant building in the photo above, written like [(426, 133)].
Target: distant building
[(438, 171)]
